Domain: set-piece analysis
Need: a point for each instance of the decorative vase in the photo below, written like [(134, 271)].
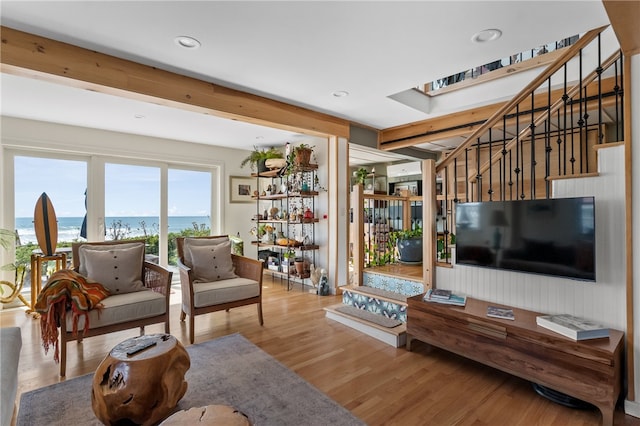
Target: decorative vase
[(301, 268)]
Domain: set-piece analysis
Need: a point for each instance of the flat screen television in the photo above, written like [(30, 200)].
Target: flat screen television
[(551, 236)]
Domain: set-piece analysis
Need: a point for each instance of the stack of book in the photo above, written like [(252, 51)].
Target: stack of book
[(572, 327), (444, 296)]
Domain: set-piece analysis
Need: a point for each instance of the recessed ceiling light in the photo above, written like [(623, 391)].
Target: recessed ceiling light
[(340, 93), (187, 42), (139, 116), (485, 36)]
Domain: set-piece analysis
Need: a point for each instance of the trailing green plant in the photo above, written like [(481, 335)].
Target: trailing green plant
[(405, 234), (361, 175), (259, 154)]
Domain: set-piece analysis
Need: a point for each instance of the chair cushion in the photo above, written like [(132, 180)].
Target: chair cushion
[(199, 242), (212, 263), (217, 292), (117, 267), (122, 308)]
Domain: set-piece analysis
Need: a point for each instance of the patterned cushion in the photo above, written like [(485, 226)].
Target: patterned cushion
[(118, 269), (212, 262)]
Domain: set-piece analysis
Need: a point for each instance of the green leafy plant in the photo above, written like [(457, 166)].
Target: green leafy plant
[(259, 155), (19, 266), (405, 234), (361, 175)]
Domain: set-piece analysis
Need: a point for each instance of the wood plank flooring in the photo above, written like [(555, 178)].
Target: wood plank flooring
[(378, 383)]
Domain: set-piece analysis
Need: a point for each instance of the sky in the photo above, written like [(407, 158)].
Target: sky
[(129, 190)]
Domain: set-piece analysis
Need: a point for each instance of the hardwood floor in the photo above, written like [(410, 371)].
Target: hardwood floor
[(380, 384)]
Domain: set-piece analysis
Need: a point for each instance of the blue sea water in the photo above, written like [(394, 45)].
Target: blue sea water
[(69, 227)]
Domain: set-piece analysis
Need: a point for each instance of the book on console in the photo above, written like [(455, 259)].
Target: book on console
[(440, 294), (573, 327), (454, 299), (502, 313)]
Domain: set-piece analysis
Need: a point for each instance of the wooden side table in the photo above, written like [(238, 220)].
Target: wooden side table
[(38, 258), (140, 381)]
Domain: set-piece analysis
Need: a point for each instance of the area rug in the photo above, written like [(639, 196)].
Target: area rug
[(228, 371)]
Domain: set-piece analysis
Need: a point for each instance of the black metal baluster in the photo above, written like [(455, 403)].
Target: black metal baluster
[(503, 177), (616, 90), (466, 175), (565, 98), (478, 175), (599, 71), (580, 120), (559, 142), (547, 148), (517, 169), (586, 135), (572, 160), (490, 191), (510, 176), (455, 180), (533, 149)]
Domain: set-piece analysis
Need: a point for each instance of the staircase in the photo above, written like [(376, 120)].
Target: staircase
[(378, 308)]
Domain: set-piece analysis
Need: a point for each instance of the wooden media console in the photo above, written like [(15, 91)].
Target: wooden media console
[(589, 370)]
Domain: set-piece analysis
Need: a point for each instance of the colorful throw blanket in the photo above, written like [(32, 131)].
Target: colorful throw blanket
[(66, 290)]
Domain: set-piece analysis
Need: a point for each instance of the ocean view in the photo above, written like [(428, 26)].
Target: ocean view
[(69, 227)]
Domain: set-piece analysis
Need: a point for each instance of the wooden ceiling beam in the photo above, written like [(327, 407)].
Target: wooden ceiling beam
[(32, 56)]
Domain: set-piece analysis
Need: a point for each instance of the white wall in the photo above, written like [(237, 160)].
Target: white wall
[(634, 407), (604, 300)]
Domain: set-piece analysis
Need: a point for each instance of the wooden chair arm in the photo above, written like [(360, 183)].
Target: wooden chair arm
[(157, 278), (248, 268), (186, 283)]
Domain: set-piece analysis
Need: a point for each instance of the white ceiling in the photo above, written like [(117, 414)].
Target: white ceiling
[(297, 52)]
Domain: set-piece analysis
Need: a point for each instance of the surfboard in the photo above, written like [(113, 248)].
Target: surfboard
[(46, 225)]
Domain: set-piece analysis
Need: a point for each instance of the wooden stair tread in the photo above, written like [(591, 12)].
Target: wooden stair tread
[(381, 294), (398, 330)]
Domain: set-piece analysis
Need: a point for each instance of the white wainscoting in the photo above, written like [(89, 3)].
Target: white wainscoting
[(602, 301)]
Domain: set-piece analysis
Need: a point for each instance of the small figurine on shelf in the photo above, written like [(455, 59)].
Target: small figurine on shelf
[(308, 214), (323, 287)]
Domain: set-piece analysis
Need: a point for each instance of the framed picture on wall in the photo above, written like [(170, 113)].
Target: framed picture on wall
[(241, 188)]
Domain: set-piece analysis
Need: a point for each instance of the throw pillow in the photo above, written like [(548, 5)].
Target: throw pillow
[(82, 269), (118, 269), (199, 242), (212, 263)]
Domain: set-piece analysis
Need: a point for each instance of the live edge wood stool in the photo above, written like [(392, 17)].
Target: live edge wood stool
[(140, 381)]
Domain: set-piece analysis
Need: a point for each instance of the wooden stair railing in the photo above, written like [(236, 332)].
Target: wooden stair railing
[(526, 132), (522, 95), (506, 161)]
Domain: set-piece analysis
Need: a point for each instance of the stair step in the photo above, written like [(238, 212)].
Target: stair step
[(394, 336), (394, 284), (378, 293)]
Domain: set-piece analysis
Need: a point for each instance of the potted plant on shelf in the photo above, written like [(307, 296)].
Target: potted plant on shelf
[(257, 158), (302, 155), (409, 244), (361, 175)]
